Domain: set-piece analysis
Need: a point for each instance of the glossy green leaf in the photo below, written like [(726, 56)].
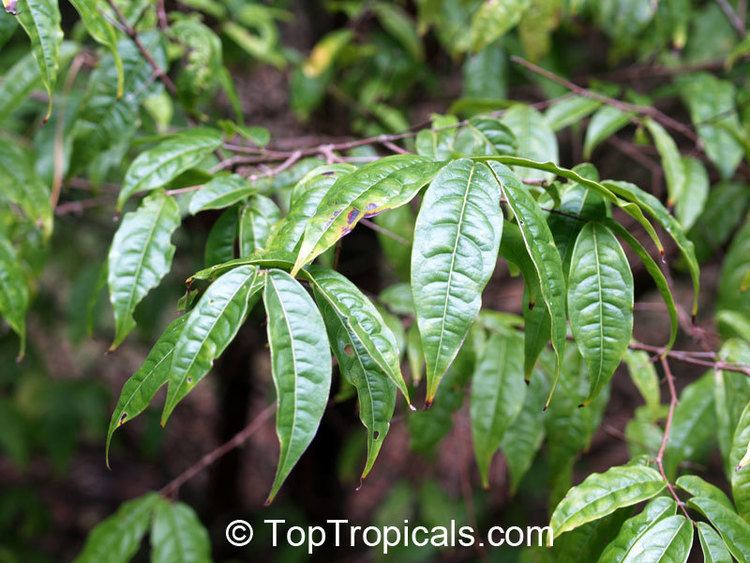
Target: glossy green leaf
[(118, 537), (220, 192), (697, 487), (600, 302), (497, 395), (178, 535), (601, 494), (693, 425), (714, 549), (695, 192), (671, 162), (384, 184), (140, 256), (739, 459), (140, 389), (535, 140), (339, 303), (733, 529), (734, 280), (456, 241), (211, 325), (543, 253), (257, 219), (155, 167), (731, 396), (14, 293), (569, 110), (221, 238), (670, 539), (493, 19), (41, 21), (643, 374), (301, 367), (605, 122), (629, 541)]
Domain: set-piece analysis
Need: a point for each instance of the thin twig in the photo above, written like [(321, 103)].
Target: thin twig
[(733, 18), (171, 488)]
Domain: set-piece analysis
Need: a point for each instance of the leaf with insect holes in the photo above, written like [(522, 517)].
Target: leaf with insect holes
[(343, 308), (456, 241), (384, 184), (301, 368), (139, 257), (211, 325), (157, 166), (601, 494), (140, 389), (600, 302), (497, 395)]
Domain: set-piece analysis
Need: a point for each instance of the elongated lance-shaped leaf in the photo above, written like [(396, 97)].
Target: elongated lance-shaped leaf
[(601, 494), (363, 321), (674, 170), (604, 123), (301, 367), (14, 293), (221, 239), (103, 33), (733, 529), (623, 547), (697, 487), (178, 535), (543, 253), (654, 207), (118, 537), (41, 21), (497, 395), (155, 167), (257, 218), (220, 192), (210, 327), (656, 274), (713, 547), (305, 198), (384, 184), (739, 458), (669, 539), (375, 391), (600, 302), (690, 206), (456, 241), (140, 256), (644, 377), (484, 135), (142, 386), (535, 140)]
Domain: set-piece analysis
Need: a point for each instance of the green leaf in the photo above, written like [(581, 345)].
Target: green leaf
[(629, 541), (731, 396), (535, 140), (484, 135), (103, 33), (670, 539), (221, 238), (695, 193), (739, 458), (301, 367), (384, 184), (157, 166), (437, 143), (601, 494), (14, 293), (733, 529), (714, 549), (656, 274), (351, 321), (605, 122), (724, 210), (414, 354), (711, 102), (140, 256), (497, 395), (178, 535), (41, 21), (396, 243), (211, 325), (400, 25), (543, 253), (220, 192), (569, 110), (600, 302), (654, 207), (257, 218), (644, 376), (734, 280), (118, 537), (140, 389), (456, 241), (493, 19), (697, 487), (693, 425), (671, 162)]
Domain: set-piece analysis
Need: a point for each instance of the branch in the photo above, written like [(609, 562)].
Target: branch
[(733, 18), (171, 488)]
